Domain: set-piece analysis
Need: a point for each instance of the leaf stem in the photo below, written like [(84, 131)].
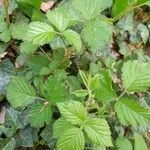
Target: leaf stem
[(122, 94), (45, 54), (6, 5)]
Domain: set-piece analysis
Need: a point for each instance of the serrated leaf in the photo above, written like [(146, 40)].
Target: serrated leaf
[(73, 38), (72, 139), (60, 126), (40, 33), (28, 47), (39, 114), (90, 9), (58, 19), (136, 76), (18, 30), (50, 90), (7, 144), (130, 112), (139, 143), (97, 34), (22, 95), (73, 111), (5, 36), (123, 143), (98, 131), (105, 91)]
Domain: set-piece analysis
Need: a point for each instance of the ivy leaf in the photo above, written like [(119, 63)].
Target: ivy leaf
[(73, 111), (97, 34), (72, 139), (39, 114), (50, 89), (98, 131), (6, 71), (139, 142), (88, 9), (7, 144), (22, 95), (105, 91), (73, 38), (131, 112), (136, 76), (40, 33), (60, 126), (123, 143)]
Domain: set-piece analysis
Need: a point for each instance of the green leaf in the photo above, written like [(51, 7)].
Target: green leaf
[(28, 47), (5, 36), (18, 30), (50, 90), (40, 33), (73, 111), (81, 93), (90, 9), (97, 34), (72, 139), (141, 2), (84, 78), (37, 62), (105, 91), (7, 144), (73, 38), (136, 76), (20, 93), (60, 126), (98, 131), (130, 112), (123, 143), (39, 114), (120, 7), (139, 142), (57, 18)]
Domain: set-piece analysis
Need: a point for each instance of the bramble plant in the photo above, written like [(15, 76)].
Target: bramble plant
[(76, 77)]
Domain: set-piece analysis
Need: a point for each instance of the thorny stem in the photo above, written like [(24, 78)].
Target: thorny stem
[(6, 5)]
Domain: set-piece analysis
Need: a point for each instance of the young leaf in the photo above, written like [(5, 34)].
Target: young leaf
[(72, 139), (60, 126), (139, 143), (123, 143), (73, 38), (136, 76), (39, 114), (40, 33), (98, 131), (131, 112), (20, 93), (97, 34), (73, 111), (81, 93), (84, 78)]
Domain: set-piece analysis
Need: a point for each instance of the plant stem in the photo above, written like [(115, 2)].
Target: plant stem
[(122, 94), (45, 54), (6, 6)]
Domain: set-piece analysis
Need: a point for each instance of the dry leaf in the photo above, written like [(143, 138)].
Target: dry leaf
[(2, 115), (45, 6)]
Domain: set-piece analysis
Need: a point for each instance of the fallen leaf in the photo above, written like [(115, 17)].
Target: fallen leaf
[(2, 115), (45, 6)]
